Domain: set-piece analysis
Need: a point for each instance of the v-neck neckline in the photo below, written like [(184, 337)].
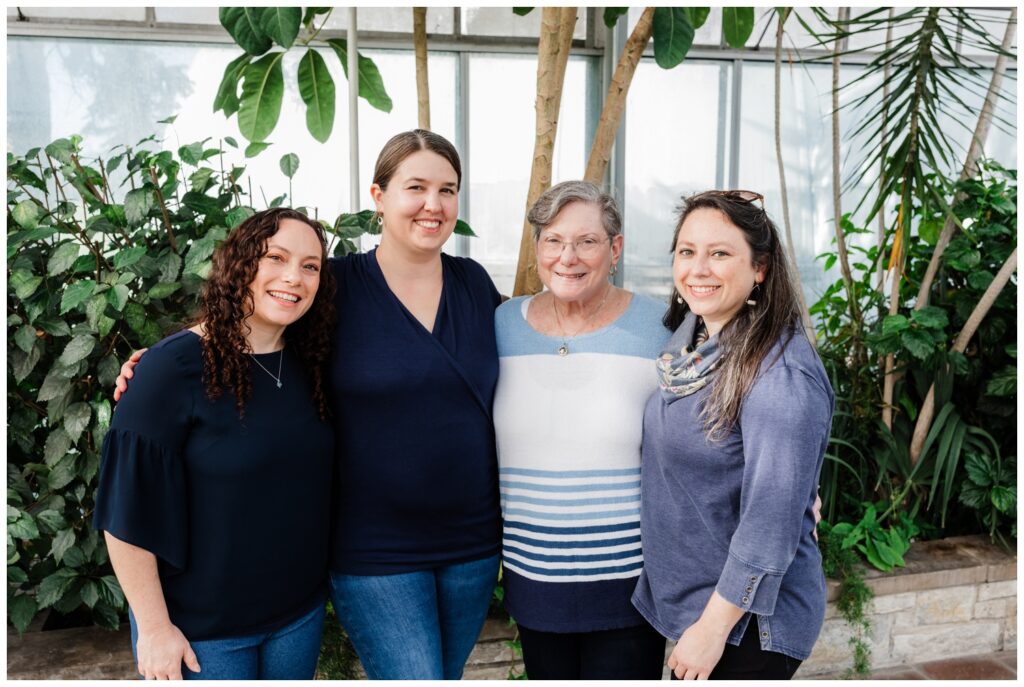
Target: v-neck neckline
[(433, 331)]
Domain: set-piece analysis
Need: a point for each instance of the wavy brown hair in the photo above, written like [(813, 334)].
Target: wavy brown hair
[(226, 302), (749, 336)]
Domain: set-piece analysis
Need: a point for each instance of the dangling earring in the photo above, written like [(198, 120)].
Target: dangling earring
[(380, 220), (753, 292), (679, 298), (613, 270)]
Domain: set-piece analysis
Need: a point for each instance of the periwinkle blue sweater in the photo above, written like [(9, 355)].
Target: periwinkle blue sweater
[(737, 516)]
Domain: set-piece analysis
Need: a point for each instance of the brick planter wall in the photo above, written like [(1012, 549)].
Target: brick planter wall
[(955, 597)]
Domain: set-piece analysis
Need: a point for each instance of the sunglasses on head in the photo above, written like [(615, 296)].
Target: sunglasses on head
[(738, 194)]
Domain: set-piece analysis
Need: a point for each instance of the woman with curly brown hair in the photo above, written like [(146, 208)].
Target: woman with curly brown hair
[(214, 489)]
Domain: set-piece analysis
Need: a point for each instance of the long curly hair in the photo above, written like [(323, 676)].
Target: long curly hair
[(226, 302)]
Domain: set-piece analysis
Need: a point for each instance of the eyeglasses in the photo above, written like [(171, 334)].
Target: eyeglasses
[(738, 194), (586, 248)]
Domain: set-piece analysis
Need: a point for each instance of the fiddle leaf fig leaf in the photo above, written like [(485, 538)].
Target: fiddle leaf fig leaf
[(262, 93), (244, 25), (316, 87), (371, 85)]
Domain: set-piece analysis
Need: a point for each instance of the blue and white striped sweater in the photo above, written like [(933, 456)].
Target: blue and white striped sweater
[(569, 434)]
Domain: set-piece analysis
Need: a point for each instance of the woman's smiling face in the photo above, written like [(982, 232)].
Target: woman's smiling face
[(713, 267), (421, 202)]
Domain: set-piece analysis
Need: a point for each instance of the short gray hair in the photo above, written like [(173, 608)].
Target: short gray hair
[(554, 200)]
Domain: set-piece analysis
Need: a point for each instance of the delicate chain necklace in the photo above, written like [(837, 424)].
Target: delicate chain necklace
[(563, 350), (280, 361)]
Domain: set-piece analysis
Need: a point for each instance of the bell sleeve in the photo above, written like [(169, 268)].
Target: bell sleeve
[(142, 495)]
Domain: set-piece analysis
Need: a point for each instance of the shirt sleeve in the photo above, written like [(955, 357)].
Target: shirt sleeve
[(141, 497), (784, 423)]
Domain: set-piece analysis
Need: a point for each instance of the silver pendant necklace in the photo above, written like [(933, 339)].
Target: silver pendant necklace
[(280, 361), (563, 350)]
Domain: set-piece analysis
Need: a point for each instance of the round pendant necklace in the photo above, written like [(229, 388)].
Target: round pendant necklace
[(563, 350), (280, 361)]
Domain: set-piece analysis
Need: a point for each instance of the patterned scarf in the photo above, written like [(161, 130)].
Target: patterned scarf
[(687, 362)]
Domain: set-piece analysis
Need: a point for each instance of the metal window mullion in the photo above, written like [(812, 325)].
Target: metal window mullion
[(736, 115), (462, 244), (616, 174)]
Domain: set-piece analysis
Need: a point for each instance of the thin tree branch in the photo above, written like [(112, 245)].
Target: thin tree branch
[(924, 418)]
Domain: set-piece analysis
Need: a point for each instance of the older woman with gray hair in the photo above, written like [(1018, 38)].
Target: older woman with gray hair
[(576, 368)]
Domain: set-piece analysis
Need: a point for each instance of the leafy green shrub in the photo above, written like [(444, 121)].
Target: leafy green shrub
[(975, 392), (96, 269)]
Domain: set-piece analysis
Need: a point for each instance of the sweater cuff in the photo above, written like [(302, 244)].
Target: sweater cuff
[(748, 587)]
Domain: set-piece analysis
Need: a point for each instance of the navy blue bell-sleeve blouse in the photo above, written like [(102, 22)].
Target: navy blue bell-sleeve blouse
[(237, 511)]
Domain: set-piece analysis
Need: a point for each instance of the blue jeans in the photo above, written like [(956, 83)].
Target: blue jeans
[(289, 653), (415, 626)]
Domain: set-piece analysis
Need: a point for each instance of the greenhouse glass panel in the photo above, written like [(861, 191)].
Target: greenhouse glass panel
[(676, 136), (501, 135)]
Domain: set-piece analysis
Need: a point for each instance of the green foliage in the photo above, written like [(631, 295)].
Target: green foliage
[(673, 35), (883, 548), (840, 562), (258, 29), (737, 25), (338, 658), (975, 391), (611, 15), (93, 273), (991, 490)]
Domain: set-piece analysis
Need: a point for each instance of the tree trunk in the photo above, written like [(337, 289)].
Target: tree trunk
[(552, 55), (971, 162), (837, 204), (805, 314), (419, 40), (924, 418), (615, 99)]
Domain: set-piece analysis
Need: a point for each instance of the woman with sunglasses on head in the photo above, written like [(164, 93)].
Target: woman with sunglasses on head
[(214, 488), (416, 521), (733, 445), (576, 369)]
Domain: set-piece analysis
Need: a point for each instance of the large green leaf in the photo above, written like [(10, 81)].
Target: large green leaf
[(76, 293), (737, 25), (371, 85), (57, 445), (26, 214), (137, 204), (317, 90), (243, 23), (463, 229), (76, 420), (262, 92), (289, 164), (21, 609), (25, 338), (697, 16), (918, 342), (24, 283), (673, 36), (254, 149), (1003, 382), (281, 24), (77, 349), (894, 323), (611, 15), (1004, 498), (930, 317), (128, 257), (62, 258), (227, 92)]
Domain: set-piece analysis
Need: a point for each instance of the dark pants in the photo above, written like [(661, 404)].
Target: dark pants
[(630, 653), (749, 661)]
